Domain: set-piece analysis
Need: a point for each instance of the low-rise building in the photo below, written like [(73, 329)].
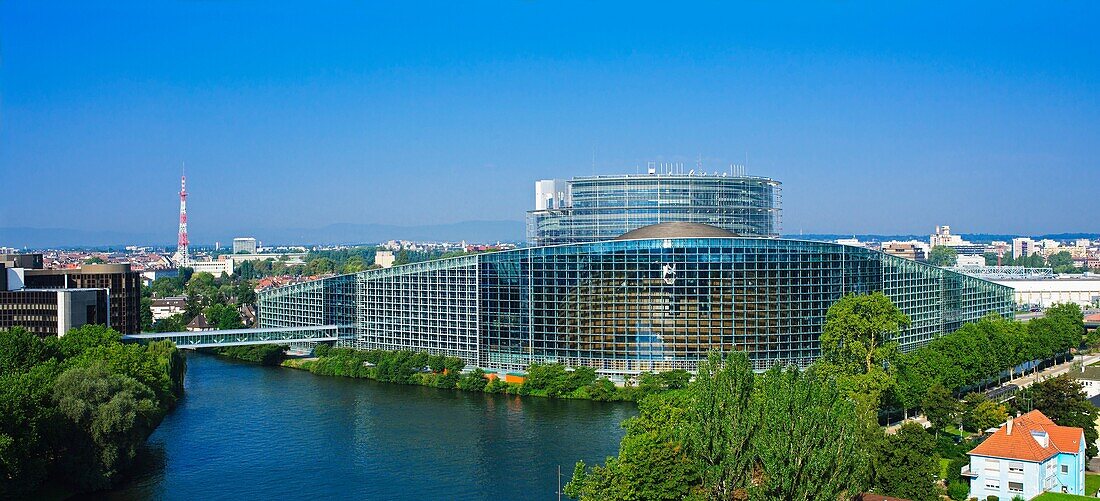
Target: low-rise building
[(384, 258), (1083, 290), (199, 323), (969, 260), (1089, 378), (914, 251), (167, 306), (214, 267), (1027, 456)]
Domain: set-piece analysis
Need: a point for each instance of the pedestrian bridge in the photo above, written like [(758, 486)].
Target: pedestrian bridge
[(241, 337)]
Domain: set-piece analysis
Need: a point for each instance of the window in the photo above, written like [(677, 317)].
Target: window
[(993, 464), (1065, 469), (1015, 468), (1016, 487), (992, 486)]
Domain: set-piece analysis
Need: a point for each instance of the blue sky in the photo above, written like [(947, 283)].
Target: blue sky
[(877, 117)]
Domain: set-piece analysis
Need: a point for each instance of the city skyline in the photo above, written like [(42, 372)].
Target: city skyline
[(414, 122)]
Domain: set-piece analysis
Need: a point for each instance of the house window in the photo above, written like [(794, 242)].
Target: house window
[(1065, 469), (1015, 468), (992, 486), (1016, 487), (993, 464)]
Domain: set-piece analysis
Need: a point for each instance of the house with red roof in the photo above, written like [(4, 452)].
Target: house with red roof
[(1027, 456)]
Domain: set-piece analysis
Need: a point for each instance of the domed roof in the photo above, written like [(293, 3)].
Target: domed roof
[(676, 230)]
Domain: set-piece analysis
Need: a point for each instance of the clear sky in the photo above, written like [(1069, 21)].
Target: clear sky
[(887, 117)]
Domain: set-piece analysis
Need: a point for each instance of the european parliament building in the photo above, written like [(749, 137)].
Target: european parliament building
[(654, 298)]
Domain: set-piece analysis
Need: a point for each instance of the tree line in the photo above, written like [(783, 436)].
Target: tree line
[(74, 409), (814, 433), (407, 367)]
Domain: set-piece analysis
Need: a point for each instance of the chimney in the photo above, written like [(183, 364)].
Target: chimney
[(1009, 427)]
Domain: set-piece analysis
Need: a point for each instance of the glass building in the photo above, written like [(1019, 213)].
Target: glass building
[(656, 298), (591, 209)]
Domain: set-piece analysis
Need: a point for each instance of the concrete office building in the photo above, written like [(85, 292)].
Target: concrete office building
[(595, 208), (49, 312), (246, 245), (123, 284), (1024, 247)]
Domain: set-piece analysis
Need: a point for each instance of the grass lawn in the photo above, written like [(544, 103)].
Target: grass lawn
[(1092, 483), (943, 467), (1058, 496)]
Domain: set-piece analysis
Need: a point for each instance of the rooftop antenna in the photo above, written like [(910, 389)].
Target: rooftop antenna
[(699, 162)]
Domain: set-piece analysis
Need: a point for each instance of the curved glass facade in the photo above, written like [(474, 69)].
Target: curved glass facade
[(628, 306), (604, 207)]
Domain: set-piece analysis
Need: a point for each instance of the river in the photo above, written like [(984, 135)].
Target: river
[(248, 432)]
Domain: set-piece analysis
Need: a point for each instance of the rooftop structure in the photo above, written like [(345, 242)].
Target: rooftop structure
[(595, 208)]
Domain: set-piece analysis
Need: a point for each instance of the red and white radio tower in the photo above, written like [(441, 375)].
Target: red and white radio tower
[(184, 256)]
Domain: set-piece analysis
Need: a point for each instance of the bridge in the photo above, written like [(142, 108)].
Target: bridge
[(241, 337)]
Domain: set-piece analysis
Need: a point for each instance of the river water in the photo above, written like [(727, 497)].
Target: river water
[(248, 432)]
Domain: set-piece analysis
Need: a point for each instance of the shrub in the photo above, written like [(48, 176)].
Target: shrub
[(958, 490)]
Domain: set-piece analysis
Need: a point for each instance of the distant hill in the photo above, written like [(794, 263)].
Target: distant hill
[(340, 233)]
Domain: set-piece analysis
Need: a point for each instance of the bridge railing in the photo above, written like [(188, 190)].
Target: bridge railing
[(242, 337)]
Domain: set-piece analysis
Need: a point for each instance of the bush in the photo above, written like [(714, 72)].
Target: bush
[(958, 490), (474, 381), (264, 354), (322, 350)]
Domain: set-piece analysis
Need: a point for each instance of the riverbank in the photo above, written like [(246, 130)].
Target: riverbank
[(436, 371)]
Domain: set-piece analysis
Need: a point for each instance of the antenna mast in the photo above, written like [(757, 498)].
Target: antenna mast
[(182, 252)]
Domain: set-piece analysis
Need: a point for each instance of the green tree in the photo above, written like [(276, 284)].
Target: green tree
[(785, 434), (94, 260), (721, 423), (980, 413), (473, 381), (906, 465), (354, 264), (1062, 260), (146, 314), (1062, 399), (651, 463), (320, 266), (223, 317), (858, 348), (810, 443), (859, 331), (939, 407), (676, 379), (942, 255), (112, 415)]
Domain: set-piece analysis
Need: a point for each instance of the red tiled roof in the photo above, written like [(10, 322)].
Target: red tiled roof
[(1020, 444)]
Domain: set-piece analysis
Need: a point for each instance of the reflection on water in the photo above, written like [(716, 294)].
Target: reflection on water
[(248, 432)]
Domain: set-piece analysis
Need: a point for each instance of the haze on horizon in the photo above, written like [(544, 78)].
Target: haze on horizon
[(877, 118)]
